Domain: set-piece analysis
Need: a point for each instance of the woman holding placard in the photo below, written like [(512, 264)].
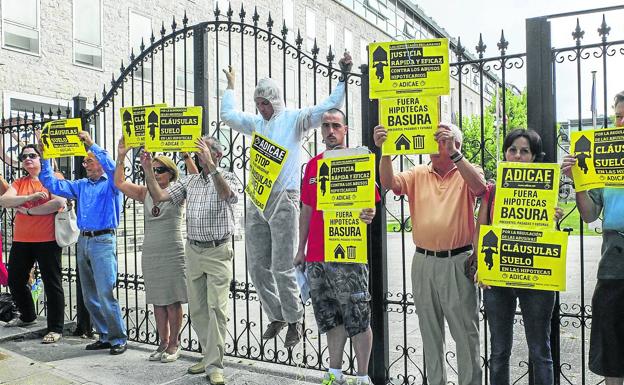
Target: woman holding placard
[(520, 145), (162, 262)]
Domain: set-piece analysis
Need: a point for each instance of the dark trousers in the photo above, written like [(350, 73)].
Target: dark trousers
[(83, 320), (22, 258)]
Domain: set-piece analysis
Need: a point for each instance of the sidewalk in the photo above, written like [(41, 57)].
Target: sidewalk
[(25, 360)]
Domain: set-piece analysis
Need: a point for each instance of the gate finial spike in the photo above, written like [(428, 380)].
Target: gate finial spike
[(152, 38), (162, 29), (122, 68), (230, 12), (217, 11), (284, 30), (142, 46), (131, 55), (242, 13), (174, 25), (502, 43), (481, 46), (459, 50), (298, 39), (604, 29), (255, 17), (185, 19), (330, 56), (315, 48), (270, 22), (578, 33)]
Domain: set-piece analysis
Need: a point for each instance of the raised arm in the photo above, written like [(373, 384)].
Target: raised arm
[(589, 210), (102, 156), (191, 167), (62, 187), (230, 113), (223, 188), (130, 189), (157, 194), (386, 173)]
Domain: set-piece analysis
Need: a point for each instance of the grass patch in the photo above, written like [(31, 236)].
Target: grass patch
[(572, 219)]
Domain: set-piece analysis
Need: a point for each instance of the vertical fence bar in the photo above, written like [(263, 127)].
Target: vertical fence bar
[(541, 117), (200, 73), (377, 248)]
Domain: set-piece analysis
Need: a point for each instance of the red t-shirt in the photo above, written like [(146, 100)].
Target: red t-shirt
[(316, 244)]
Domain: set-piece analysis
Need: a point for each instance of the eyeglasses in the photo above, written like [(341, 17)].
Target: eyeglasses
[(160, 170), (86, 162), (31, 155)]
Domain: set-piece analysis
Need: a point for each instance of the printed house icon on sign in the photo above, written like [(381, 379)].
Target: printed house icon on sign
[(339, 252), (402, 143)]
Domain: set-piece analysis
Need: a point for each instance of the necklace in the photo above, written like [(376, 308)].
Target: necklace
[(155, 210)]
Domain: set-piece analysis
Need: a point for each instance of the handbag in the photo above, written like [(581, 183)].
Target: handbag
[(66, 226)]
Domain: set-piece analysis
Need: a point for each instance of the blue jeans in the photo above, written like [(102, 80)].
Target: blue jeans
[(97, 263), (537, 307)]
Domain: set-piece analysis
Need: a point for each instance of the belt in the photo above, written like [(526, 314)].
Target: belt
[(209, 244), (444, 253), (97, 232)]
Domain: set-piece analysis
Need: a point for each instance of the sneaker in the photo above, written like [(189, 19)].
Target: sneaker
[(17, 322), (330, 379), (216, 378), (198, 368), (273, 329), (368, 381), (293, 335)]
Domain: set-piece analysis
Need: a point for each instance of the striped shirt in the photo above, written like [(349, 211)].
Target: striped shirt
[(208, 218)]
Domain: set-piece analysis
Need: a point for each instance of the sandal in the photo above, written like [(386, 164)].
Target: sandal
[(51, 338)]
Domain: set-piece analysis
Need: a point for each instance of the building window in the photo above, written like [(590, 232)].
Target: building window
[(20, 25), (330, 27), (180, 66), (363, 51), (140, 31), (348, 40), (310, 28), (288, 13), (88, 33)]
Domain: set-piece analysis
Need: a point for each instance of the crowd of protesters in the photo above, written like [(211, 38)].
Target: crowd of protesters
[(443, 199)]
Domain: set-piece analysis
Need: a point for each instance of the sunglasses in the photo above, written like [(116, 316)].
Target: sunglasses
[(31, 155), (160, 170)]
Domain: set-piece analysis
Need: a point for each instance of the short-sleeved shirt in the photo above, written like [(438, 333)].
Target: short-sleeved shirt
[(33, 228), (208, 218), (315, 251), (441, 208), (611, 200)]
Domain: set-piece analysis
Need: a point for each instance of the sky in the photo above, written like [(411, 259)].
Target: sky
[(469, 18)]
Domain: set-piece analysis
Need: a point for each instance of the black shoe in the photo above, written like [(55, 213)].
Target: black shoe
[(118, 349), (98, 345), (293, 335), (273, 329)]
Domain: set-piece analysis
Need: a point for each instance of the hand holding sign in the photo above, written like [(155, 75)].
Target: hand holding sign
[(204, 153), (146, 161), (85, 138), (380, 135), (367, 215), (446, 138), (122, 150), (569, 161)]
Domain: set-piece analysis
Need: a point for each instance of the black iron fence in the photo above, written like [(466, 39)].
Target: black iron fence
[(182, 66)]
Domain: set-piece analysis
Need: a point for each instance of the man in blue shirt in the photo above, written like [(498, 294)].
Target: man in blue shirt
[(98, 209)]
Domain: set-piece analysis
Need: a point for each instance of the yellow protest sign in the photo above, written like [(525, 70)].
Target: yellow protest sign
[(600, 158), (267, 159), (60, 138), (344, 237), (172, 128), (133, 123), (526, 194), (412, 66), (411, 122), (346, 183), (522, 258)]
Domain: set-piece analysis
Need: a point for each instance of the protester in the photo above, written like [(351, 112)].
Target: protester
[(520, 145), (606, 347), (271, 235), (98, 211), (34, 241), (442, 202), (210, 198), (339, 291), (162, 258)]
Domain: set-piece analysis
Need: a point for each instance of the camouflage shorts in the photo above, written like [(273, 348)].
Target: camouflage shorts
[(339, 293)]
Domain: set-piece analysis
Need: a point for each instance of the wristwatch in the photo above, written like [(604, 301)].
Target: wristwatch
[(214, 173)]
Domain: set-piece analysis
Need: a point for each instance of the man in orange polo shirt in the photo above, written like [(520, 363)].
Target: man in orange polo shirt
[(442, 199)]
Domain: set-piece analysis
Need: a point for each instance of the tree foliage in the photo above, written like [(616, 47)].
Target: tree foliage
[(482, 149)]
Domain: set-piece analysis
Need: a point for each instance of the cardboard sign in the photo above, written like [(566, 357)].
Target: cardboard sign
[(172, 128), (600, 158), (346, 183), (526, 195), (345, 238), (60, 138), (522, 258), (411, 122), (267, 159), (412, 66), (133, 123)]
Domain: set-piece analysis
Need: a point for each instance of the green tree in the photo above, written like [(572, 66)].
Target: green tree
[(474, 142)]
